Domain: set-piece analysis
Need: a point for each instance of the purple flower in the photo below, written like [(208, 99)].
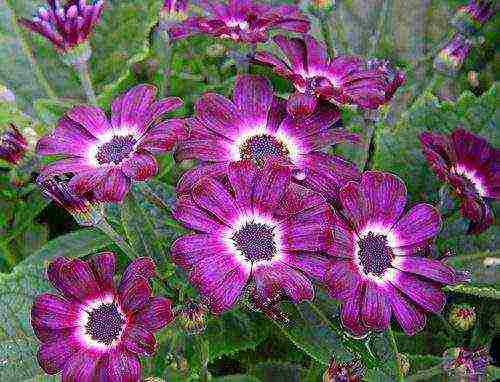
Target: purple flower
[(451, 58), (65, 26), (257, 228), (242, 20), (466, 363), (106, 156), (340, 80), (255, 126), (378, 270), (470, 165), (13, 145), (172, 12), (470, 18), (85, 211), (352, 371), (94, 330)]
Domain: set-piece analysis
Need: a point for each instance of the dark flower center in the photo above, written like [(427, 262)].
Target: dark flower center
[(105, 323), (116, 149), (255, 241), (259, 147), (374, 254)]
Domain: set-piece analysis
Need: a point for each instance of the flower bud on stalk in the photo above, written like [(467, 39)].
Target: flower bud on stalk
[(13, 145), (452, 57), (462, 317), (352, 371)]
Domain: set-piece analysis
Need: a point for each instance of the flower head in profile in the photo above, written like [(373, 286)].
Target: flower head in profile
[(106, 156), (259, 228), (470, 165), (451, 58), (470, 18), (378, 269), (352, 371), (242, 20), (85, 211), (13, 145), (255, 126), (340, 80), (93, 329), (466, 363), (65, 26)]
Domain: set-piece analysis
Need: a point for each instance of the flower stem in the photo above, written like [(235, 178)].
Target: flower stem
[(371, 127), (327, 36), (105, 227), (204, 354), (9, 257), (167, 58), (394, 346), (83, 72)]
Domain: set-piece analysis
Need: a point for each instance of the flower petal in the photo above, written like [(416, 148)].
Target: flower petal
[(144, 267), (156, 110), (193, 217), (78, 281), (193, 175), (140, 341), (213, 197), (432, 269), (344, 239), (375, 308), (219, 114), (253, 96), (295, 50), (242, 176), (127, 111), (188, 250), (91, 118), (121, 366), (65, 166), (114, 187), (54, 312), (52, 356), (140, 166), (427, 294), (411, 318), (80, 367), (314, 266), (228, 292), (103, 265), (270, 186), (156, 314), (209, 150), (85, 181), (421, 223), (350, 314), (135, 294), (301, 105), (342, 279), (164, 136)]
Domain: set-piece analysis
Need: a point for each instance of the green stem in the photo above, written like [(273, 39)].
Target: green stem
[(82, 69), (327, 36), (9, 257), (168, 59), (394, 346), (29, 54), (341, 35), (381, 26), (204, 355), (425, 375), (370, 126)]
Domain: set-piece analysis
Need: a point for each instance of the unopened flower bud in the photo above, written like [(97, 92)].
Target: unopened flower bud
[(13, 145), (462, 317), (321, 8), (451, 58), (193, 317), (352, 371), (216, 50), (404, 363), (172, 12), (470, 18)]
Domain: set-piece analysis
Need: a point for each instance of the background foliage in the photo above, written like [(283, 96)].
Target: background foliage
[(241, 345)]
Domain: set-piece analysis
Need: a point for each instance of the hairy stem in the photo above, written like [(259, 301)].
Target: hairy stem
[(327, 36), (168, 58), (394, 346), (82, 69), (29, 54), (105, 227)]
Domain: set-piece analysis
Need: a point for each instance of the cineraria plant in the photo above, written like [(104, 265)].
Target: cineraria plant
[(314, 196)]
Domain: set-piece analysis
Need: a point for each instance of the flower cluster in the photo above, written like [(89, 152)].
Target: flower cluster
[(94, 329), (272, 211), (466, 363)]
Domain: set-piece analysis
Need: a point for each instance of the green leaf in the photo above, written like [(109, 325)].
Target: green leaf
[(139, 230), (236, 378), (279, 372), (75, 244), (314, 328)]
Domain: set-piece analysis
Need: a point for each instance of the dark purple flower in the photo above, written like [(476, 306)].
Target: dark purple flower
[(85, 211), (378, 270), (471, 166), (106, 156), (470, 18), (255, 126), (94, 330), (242, 20), (256, 228), (466, 363), (13, 145), (66, 26), (451, 58), (340, 80)]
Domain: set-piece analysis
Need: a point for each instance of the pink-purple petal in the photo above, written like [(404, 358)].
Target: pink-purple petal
[(228, 292), (188, 250), (214, 198), (128, 109), (103, 265), (194, 217), (81, 367), (156, 314), (135, 295), (253, 96), (270, 186), (91, 118), (350, 314), (219, 114), (341, 279), (139, 340), (113, 187), (164, 136), (140, 166), (375, 308), (53, 355), (242, 176), (411, 318), (420, 223), (54, 312), (193, 175), (122, 366), (432, 269)]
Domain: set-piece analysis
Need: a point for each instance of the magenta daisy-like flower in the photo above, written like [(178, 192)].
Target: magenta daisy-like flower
[(13, 145), (94, 330), (451, 58), (378, 271), (340, 80), (106, 156), (255, 126), (65, 26), (470, 18), (257, 228), (242, 20), (471, 166)]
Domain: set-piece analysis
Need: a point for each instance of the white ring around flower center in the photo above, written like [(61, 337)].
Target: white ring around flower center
[(243, 25), (106, 138), (471, 175)]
